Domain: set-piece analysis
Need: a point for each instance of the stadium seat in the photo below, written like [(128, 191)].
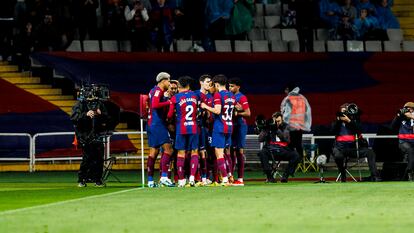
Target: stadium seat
[(273, 34), (242, 46), (259, 22), (109, 46), (75, 46), (260, 46), (293, 46), (354, 46), (273, 9), (408, 46), (289, 34), (125, 46), (222, 45), (392, 46), (91, 46), (271, 21), (255, 34), (279, 46), (319, 46), (395, 34), (322, 34), (184, 45), (259, 9), (335, 46), (373, 46)]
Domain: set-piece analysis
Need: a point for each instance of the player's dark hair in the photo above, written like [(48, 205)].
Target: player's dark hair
[(173, 81), (220, 79), (236, 81), (204, 77), (185, 81)]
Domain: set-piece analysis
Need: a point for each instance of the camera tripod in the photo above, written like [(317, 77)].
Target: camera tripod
[(108, 169)]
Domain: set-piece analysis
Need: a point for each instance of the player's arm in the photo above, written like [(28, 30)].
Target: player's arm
[(171, 108), (156, 101), (217, 105), (243, 108)]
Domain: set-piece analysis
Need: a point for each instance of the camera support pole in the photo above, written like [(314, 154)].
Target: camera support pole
[(357, 154)]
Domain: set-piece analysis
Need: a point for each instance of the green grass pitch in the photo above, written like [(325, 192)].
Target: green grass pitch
[(51, 202)]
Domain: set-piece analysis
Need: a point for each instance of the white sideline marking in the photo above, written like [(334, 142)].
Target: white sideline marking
[(64, 202)]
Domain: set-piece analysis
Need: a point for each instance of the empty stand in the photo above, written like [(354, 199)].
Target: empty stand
[(75, 46), (271, 21), (293, 46), (373, 46), (273, 34), (260, 46), (334, 46), (273, 9), (395, 34), (256, 34), (319, 46), (322, 34), (125, 46), (223, 45), (110, 46), (279, 46), (289, 34), (242, 46), (259, 22), (91, 46), (392, 46), (259, 9), (408, 46), (184, 45), (354, 46)]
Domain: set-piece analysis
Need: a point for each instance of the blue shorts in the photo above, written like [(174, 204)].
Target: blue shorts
[(186, 142), (157, 136), (221, 140), (238, 138)]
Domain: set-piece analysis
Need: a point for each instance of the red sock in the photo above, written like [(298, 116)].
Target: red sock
[(228, 163), (193, 164), (150, 166), (215, 171), (240, 165), (165, 162), (180, 168), (233, 162), (221, 164)]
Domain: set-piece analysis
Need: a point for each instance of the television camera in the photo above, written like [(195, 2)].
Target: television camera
[(92, 94)]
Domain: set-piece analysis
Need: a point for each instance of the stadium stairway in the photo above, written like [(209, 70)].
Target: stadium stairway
[(34, 85), (404, 10)]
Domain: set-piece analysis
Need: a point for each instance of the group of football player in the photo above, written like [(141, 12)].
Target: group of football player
[(200, 134)]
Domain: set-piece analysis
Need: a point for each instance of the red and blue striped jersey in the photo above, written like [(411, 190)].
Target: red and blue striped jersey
[(223, 122), (242, 100), (186, 108), (156, 107)]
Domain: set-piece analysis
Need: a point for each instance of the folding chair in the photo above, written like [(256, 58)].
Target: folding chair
[(308, 161)]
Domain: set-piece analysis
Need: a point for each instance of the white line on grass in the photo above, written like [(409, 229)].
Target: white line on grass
[(64, 202)]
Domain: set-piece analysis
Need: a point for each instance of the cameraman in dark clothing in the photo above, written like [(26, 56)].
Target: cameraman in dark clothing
[(275, 137), (349, 141), (89, 117), (404, 122)]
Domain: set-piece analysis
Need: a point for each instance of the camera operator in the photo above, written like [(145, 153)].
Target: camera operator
[(349, 141), (275, 137), (404, 122), (89, 116)]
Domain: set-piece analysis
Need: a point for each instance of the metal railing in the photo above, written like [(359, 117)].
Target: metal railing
[(252, 146), (29, 157)]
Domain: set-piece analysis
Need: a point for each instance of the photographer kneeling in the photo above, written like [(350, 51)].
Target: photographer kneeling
[(349, 141), (275, 137), (89, 116)]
